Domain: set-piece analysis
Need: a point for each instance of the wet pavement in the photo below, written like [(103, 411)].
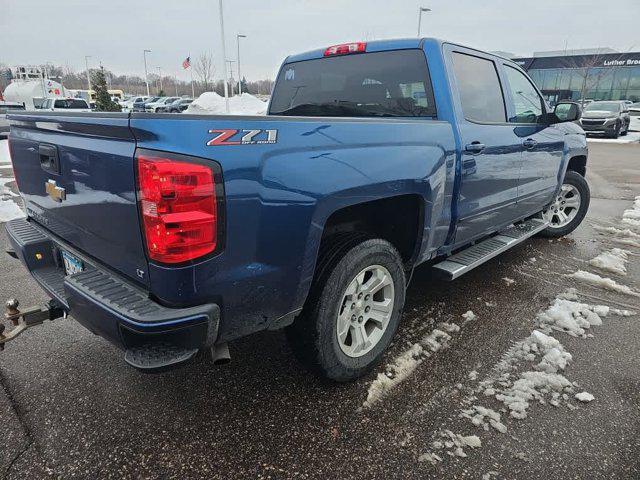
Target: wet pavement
[(71, 408)]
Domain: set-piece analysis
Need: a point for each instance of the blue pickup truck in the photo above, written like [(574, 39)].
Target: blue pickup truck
[(170, 235)]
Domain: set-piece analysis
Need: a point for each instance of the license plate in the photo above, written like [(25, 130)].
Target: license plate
[(71, 264)]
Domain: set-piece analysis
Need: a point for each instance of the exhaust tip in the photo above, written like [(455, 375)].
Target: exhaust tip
[(220, 354)]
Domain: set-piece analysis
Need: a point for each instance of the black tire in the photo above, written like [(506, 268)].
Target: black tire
[(625, 131), (579, 182), (313, 335), (616, 132)]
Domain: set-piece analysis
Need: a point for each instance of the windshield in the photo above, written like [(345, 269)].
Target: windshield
[(72, 103), (380, 84), (603, 107)]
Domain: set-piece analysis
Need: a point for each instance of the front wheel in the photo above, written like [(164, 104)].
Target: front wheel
[(569, 206), (353, 311)]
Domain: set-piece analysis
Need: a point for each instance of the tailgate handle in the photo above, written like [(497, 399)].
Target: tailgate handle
[(49, 160)]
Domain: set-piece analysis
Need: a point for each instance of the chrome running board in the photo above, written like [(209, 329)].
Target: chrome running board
[(460, 263)]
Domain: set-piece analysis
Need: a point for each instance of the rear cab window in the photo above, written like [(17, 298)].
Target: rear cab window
[(378, 84), (70, 104), (479, 87)]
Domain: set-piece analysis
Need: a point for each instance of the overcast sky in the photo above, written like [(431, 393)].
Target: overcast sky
[(115, 32)]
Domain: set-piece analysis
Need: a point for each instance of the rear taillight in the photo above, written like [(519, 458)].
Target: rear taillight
[(180, 207), (346, 48)]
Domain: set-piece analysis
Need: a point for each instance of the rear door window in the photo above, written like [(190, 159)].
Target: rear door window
[(479, 87), (378, 84)]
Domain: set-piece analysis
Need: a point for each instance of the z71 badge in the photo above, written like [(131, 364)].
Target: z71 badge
[(231, 136)]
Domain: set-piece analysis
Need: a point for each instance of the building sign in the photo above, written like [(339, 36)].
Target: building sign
[(610, 60)]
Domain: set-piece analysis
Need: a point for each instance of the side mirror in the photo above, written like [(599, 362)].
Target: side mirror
[(567, 112)]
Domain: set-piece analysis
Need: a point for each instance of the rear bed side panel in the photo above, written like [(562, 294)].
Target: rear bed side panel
[(278, 197), (99, 215)]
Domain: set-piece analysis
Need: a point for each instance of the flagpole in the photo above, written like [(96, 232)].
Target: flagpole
[(193, 92)]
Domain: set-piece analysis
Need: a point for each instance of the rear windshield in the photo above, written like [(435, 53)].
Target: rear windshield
[(380, 84), (70, 104)]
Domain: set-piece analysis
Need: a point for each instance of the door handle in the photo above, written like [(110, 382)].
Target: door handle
[(474, 147), (529, 143), (49, 160)]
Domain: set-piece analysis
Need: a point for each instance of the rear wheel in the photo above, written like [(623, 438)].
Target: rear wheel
[(569, 207), (353, 311)]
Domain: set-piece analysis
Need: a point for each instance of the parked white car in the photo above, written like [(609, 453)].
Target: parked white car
[(163, 102), (65, 105), (127, 105)]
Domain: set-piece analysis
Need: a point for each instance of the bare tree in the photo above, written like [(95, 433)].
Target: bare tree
[(205, 70), (591, 70)]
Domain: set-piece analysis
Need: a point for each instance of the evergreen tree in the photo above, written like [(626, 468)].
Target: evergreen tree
[(103, 99)]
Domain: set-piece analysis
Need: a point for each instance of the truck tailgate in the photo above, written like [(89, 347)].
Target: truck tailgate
[(76, 175)]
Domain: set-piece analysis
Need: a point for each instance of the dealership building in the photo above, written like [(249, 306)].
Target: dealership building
[(602, 74)]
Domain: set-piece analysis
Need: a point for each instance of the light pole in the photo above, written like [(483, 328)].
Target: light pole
[(238, 37), (420, 10), (86, 62), (160, 77), (224, 58), (146, 74)]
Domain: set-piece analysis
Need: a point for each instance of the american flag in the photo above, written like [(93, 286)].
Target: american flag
[(186, 63)]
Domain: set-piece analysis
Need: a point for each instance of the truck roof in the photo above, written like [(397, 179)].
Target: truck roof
[(384, 45)]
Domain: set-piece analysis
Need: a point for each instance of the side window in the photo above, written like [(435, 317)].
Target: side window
[(479, 86), (527, 104)]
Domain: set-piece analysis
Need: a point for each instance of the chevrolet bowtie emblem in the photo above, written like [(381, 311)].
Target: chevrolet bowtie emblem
[(54, 191)]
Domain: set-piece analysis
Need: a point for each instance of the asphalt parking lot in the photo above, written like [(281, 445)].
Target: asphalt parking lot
[(71, 408)]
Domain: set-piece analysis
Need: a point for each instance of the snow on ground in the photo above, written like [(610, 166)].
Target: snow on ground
[(621, 236), (631, 137), (8, 208), (531, 371), (603, 282), (405, 364), (4, 152), (631, 216), (213, 104), (613, 260), (584, 397)]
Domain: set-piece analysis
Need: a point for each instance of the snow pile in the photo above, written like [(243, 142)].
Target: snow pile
[(484, 417), (9, 210), (452, 444), (571, 317), (584, 397), (211, 103), (4, 152), (613, 260), (603, 282), (406, 363), (631, 216), (509, 281), (469, 316)]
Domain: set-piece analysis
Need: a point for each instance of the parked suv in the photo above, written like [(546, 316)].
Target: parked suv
[(609, 118), (138, 106), (160, 104), (177, 106)]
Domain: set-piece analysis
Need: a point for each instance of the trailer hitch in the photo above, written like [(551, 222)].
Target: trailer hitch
[(28, 318)]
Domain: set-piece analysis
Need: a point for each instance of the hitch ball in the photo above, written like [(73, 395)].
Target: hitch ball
[(12, 312)]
